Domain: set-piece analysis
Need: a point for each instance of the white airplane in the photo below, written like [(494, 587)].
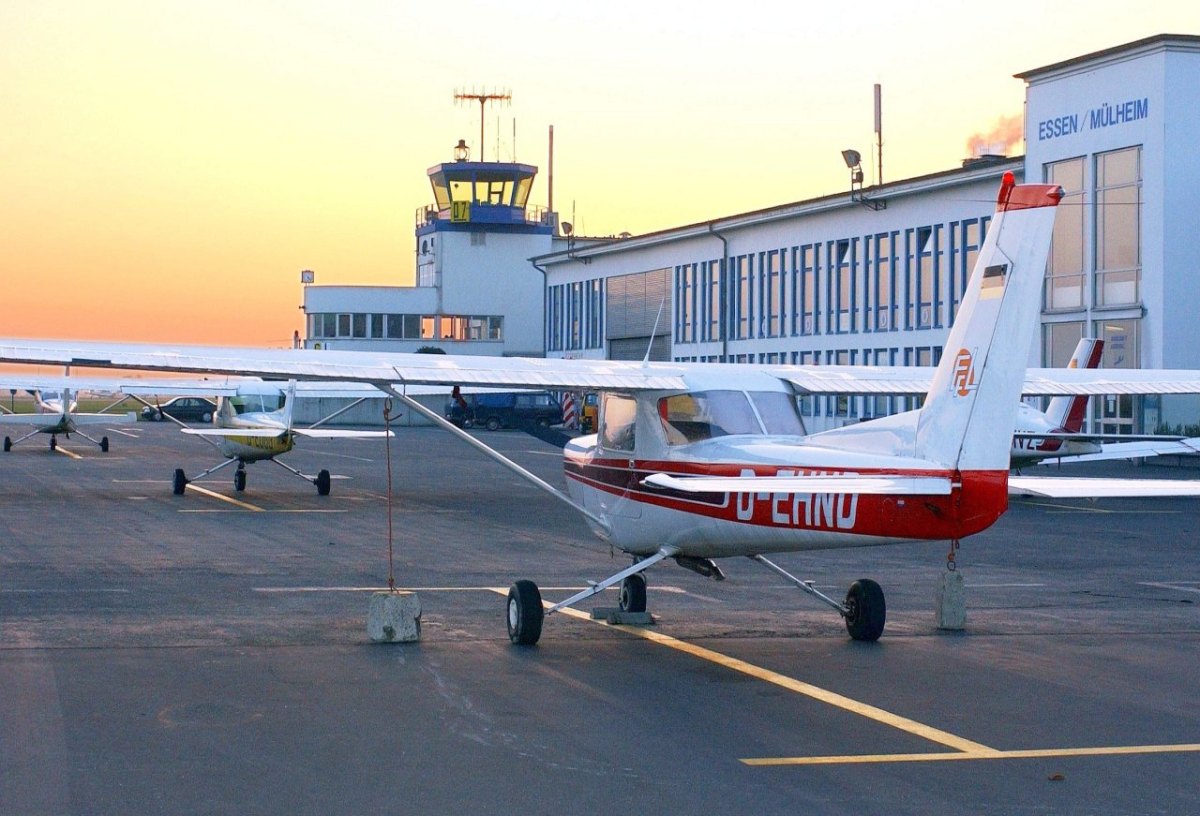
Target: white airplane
[(243, 436), (58, 415), (696, 462)]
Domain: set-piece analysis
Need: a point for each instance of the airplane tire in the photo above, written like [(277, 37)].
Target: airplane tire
[(179, 482), (323, 483), (866, 611), (633, 593), (525, 613), (53, 443), (7, 444), (239, 480), (104, 444)]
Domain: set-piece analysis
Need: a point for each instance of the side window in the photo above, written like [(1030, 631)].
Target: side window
[(617, 423)]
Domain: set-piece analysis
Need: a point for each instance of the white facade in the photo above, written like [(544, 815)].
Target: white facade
[(1120, 127)]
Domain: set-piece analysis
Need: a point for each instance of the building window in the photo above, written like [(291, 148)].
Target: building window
[(883, 281), (1122, 349), (966, 237), (771, 293), (743, 295), (711, 321), (806, 265), (922, 274), (840, 285), (1064, 270), (1059, 341), (1118, 226), (685, 292)]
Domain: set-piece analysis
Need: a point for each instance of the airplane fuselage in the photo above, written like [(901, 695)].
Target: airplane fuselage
[(712, 525)]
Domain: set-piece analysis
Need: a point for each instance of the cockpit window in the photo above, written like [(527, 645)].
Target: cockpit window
[(256, 402), (778, 412), (710, 414), (617, 423)]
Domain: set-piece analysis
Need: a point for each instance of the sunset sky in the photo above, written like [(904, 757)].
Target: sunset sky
[(168, 168)]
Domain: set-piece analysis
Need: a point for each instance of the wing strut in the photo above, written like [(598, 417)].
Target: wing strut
[(602, 525)]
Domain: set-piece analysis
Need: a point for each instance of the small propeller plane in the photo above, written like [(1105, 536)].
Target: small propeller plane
[(697, 462), (59, 416), (243, 436)]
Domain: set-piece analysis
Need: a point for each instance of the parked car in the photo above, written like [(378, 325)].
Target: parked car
[(505, 410), (185, 409)]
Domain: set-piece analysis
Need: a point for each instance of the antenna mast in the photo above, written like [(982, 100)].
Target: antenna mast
[(482, 97)]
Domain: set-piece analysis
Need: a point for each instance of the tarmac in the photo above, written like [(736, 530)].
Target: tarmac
[(208, 653)]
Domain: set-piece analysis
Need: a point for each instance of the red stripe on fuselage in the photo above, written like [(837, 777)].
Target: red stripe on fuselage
[(976, 501)]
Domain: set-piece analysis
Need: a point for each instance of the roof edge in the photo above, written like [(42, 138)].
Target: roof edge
[(1187, 41)]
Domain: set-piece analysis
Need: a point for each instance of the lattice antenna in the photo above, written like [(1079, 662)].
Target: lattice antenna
[(483, 97)]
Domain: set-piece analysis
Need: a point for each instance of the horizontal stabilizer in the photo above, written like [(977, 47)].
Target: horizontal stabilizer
[(1098, 438), (256, 433), (1055, 487), (1132, 450), (873, 485), (322, 433)]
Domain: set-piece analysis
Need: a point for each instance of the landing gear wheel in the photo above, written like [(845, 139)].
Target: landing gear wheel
[(179, 483), (866, 611), (492, 424), (323, 483), (104, 444), (633, 593), (239, 480), (53, 443), (524, 613), (7, 444)]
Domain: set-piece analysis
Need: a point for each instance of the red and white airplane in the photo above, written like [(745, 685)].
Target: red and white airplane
[(698, 462)]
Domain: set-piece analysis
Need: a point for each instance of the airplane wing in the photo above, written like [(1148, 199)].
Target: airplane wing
[(257, 433), (322, 433), (47, 420), (533, 372), (352, 366), (915, 380), (1063, 487), (875, 485)]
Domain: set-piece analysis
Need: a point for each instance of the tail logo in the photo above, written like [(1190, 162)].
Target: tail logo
[(962, 381)]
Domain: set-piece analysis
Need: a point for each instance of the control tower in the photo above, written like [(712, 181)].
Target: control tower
[(474, 292), (474, 203)]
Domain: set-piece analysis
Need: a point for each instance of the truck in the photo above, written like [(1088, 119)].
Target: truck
[(504, 409)]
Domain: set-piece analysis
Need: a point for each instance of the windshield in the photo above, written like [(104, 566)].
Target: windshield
[(710, 414)]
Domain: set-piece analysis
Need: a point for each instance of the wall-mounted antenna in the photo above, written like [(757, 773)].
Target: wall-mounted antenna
[(879, 131), (483, 98)]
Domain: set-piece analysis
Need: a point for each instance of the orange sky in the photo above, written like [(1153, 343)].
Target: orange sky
[(168, 168)]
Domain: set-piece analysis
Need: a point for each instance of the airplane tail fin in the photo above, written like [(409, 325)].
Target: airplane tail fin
[(969, 413), (289, 401), (1068, 413)]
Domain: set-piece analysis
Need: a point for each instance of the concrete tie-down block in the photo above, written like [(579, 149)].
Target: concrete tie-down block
[(951, 601), (394, 617)]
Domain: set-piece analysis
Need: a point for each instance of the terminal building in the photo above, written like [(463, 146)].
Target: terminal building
[(869, 277)]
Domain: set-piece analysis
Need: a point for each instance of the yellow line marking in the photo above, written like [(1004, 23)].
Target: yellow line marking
[(242, 504), (867, 759), (807, 689), (65, 452)]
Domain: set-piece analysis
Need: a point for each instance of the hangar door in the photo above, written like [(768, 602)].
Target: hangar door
[(631, 306)]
